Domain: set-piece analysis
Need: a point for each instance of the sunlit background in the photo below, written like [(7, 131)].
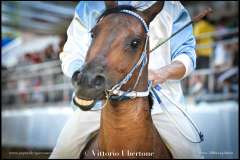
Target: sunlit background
[(36, 95)]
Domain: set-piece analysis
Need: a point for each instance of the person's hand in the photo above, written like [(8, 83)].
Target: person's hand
[(158, 76), (173, 71)]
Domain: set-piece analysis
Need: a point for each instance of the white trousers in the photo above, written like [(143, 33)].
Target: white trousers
[(77, 131)]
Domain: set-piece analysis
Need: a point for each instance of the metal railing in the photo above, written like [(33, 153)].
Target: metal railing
[(212, 71), (24, 85)]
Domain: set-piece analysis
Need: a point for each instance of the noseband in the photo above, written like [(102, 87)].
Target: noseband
[(115, 93)]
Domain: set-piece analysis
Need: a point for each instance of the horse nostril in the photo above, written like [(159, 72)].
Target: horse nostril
[(76, 77), (99, 80)]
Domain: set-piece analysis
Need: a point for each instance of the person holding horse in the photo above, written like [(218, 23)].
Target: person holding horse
[(168, 65)]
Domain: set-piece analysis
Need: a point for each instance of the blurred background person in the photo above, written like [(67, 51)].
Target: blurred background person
[(203, 30)]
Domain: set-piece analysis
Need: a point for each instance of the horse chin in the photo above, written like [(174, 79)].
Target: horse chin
[(86, 103)]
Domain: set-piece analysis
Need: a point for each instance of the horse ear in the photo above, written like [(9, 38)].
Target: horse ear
[(110, 4), (152, 11)]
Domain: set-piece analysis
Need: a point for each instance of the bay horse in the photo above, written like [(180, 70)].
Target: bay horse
[(120, 47)]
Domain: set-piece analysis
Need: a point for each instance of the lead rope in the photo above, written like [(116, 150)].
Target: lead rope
[(195, 19), (201, 137), (189, 119)]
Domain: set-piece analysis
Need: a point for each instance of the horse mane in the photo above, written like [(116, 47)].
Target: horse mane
[(116, 10)]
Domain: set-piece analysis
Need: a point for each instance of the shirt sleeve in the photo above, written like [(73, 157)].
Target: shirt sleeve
[(78, 38), (183, 44), (73, 54)]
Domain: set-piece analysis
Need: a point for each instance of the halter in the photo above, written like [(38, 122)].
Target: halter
[(115, 93)]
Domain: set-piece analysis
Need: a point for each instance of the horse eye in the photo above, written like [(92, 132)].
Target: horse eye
[(93, 35), (134, 44)]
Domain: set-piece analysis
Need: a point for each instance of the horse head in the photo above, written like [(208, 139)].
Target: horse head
[(118, 41)]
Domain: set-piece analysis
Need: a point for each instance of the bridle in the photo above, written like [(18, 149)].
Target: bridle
[(115, 93)]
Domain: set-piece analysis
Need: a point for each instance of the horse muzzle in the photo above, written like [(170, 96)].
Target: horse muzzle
[(89, 87)]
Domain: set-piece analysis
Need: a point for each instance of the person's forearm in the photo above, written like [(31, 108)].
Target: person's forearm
[(175, 70)]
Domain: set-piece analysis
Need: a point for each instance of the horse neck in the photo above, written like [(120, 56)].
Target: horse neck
[(127, 120)]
